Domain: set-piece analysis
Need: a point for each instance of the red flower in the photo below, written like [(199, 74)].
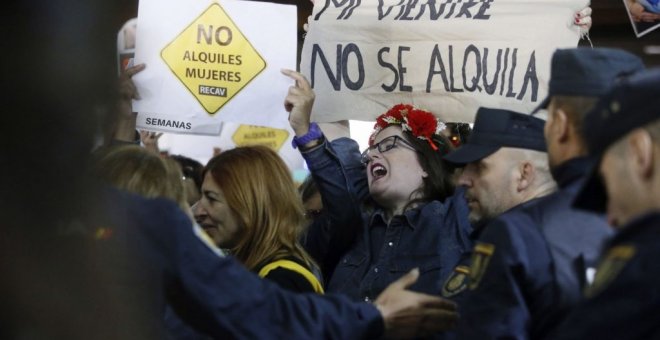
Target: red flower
[(422, 123)]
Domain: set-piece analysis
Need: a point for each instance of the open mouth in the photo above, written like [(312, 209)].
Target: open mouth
[(378, 171)]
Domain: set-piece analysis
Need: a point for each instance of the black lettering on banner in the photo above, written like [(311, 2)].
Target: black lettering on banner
[(506, 64), (341, 70), (212, 58), (345, 13), (383, 63), (490, 88), (402, 70), (406, 10), (169, 123), (451, 71), (352, 48), (530, 76), (436, 58), (434, 12), (465, 9), (485, 5), (334, 80), (202, 73), (451, 9), (510, 93), (382, 14), (477, 61), (479, 81), (220, 38)]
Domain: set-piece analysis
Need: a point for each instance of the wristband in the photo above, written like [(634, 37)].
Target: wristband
[(313, 134)]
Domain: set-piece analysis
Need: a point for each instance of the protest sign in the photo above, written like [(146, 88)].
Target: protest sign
[(447, 56), (232, 135), (644, 15), (213, 61)]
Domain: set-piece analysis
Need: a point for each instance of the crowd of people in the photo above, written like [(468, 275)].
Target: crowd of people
[(528, 228)]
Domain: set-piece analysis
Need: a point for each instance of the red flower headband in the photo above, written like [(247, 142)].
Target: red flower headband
[(420, 123)]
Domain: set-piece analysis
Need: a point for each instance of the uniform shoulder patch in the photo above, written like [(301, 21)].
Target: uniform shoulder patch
[(457, 281), (479, 262), (609, 268)]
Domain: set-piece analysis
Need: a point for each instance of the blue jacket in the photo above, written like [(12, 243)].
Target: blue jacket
[(356, 248), (155, 255), (624, 301), (530, 264)]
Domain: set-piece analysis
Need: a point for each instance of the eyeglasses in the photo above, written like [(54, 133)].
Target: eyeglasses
[(385, 145)]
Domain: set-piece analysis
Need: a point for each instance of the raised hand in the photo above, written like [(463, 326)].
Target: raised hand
[(150, 140), (299, 102), (583, 19), (128, 91)]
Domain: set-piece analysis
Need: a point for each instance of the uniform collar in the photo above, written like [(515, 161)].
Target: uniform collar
[(637, 225), (571, 170)]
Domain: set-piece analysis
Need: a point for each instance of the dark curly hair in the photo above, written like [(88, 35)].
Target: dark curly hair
[(438, 184)]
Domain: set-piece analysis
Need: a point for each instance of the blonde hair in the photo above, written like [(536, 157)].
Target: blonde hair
[(134, 169), (260, 192)]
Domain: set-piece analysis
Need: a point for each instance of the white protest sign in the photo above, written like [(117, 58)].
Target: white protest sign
[(213, 61), (447, 56)]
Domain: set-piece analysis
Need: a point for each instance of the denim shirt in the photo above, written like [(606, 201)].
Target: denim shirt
[(359, 252)]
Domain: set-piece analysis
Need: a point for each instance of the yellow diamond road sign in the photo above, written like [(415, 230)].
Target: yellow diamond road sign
[(258, 135), (213, 59)]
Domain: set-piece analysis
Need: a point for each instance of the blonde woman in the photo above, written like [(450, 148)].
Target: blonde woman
[(251, 207), (134, 169)]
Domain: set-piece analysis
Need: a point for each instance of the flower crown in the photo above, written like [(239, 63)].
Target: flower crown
[(420, 123)]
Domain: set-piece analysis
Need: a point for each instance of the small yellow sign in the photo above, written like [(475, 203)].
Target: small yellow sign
[(259, 135), (213, 59)]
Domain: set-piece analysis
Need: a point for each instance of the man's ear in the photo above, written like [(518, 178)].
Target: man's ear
[(642, 153), (526, 175), (560, 125)]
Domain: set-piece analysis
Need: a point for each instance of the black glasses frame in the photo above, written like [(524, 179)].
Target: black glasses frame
[(382, 148)]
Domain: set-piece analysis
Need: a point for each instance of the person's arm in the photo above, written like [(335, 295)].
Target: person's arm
[(339, 176), (124, 129), (225, 300)]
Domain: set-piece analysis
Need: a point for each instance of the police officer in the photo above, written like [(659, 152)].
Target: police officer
[(571, 237), (574, 237), (623, 133), (505, 174)]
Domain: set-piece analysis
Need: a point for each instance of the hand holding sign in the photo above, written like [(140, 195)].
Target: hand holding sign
[(299, 102), (127, 90)]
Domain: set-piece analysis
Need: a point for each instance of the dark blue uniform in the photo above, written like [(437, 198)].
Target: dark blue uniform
[(529, 264), (624, 301), (153, 253)]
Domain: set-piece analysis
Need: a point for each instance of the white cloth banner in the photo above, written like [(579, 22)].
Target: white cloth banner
[(213, 61), (447, 56)]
